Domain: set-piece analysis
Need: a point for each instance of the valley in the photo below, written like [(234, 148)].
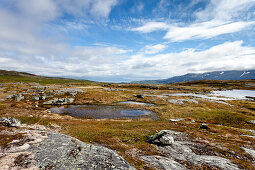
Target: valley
[(217, 133)]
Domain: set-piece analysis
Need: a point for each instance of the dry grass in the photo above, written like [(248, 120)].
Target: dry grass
[(128, 136)]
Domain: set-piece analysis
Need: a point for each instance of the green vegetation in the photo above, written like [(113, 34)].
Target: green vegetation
[(41, 80), (223, 117), (128, 137)]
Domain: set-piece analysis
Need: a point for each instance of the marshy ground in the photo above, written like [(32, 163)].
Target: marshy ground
[(229, 135)]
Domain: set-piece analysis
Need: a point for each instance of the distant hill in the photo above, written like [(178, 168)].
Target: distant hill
[(216, 75), (15, 76)]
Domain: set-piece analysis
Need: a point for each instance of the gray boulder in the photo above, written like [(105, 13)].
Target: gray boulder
[(177, 120), (182, 101), (17, 97), (166, 140), (204, 126), (59, 101), (59, 151), (10, 122), (183, 150), (35, 98), (161, 138), (161, 162), (251, 122)]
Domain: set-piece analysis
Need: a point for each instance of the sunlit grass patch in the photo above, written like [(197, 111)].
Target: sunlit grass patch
[(220, 117), (7, 138)]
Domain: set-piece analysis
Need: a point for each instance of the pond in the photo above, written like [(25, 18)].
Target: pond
[(235, 94), (103, 112), (220, 95)]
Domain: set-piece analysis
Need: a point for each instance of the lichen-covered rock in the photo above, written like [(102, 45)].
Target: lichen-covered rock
[(61, 101), (17, 97), (183, 150), (177, 120), (166, 140), (182, 101), (161, 162), (63, 152), (10, 122), (251, 122), (162, 138), (44, 149)]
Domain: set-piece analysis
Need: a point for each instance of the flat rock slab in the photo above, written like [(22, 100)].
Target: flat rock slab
[(44, 149), (59, 151), (183, 149)]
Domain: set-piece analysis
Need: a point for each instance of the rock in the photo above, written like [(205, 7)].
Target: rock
[(176, 120), (183, 150), (204, 126), (250, 152), (10, 122), (17, 97), (64, 152), (61, 101), (156, 136), (42, 97), (140, 96), (176, 101), (166, 140), (182, 101), (251, 122), (72, 91), (35, 98), (161, 162), (162, 138), (250, 98)]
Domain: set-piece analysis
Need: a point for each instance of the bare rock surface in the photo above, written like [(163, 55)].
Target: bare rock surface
[(251, 152), (59, 101), (45, 149), (161, 162), (182, 101), (10, 122), (184, 150)]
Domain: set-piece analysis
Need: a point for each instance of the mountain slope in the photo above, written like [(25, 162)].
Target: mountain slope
[(15, 76), (216, 75)]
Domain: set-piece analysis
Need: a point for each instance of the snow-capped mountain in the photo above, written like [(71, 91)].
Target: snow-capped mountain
[(216, 75)]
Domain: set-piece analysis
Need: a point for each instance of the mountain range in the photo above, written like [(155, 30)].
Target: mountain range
[(216, 75)]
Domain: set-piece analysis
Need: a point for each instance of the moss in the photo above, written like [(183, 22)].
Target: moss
[(220, 117)]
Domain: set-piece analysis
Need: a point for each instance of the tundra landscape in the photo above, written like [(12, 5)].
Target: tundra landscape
[(127, 84), (184, 131)]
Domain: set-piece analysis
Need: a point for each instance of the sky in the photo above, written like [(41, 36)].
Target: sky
[(126, 40)]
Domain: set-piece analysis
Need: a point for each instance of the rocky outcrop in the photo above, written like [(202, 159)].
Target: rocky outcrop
[(44, 149), (184, 150), (71, 91), (182, 101), (251, 122), (161, 162), (10, 122), (162, 138), (177, 120), (17, 97), (59, 101)]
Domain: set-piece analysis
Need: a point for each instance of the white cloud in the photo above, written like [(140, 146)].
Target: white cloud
[(114, 62), (205, 30), (226, 56), (225, 9), (218, 18), (153, 49), (151, 26)]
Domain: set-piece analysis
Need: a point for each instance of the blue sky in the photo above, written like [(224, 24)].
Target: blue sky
[(125, 40)]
